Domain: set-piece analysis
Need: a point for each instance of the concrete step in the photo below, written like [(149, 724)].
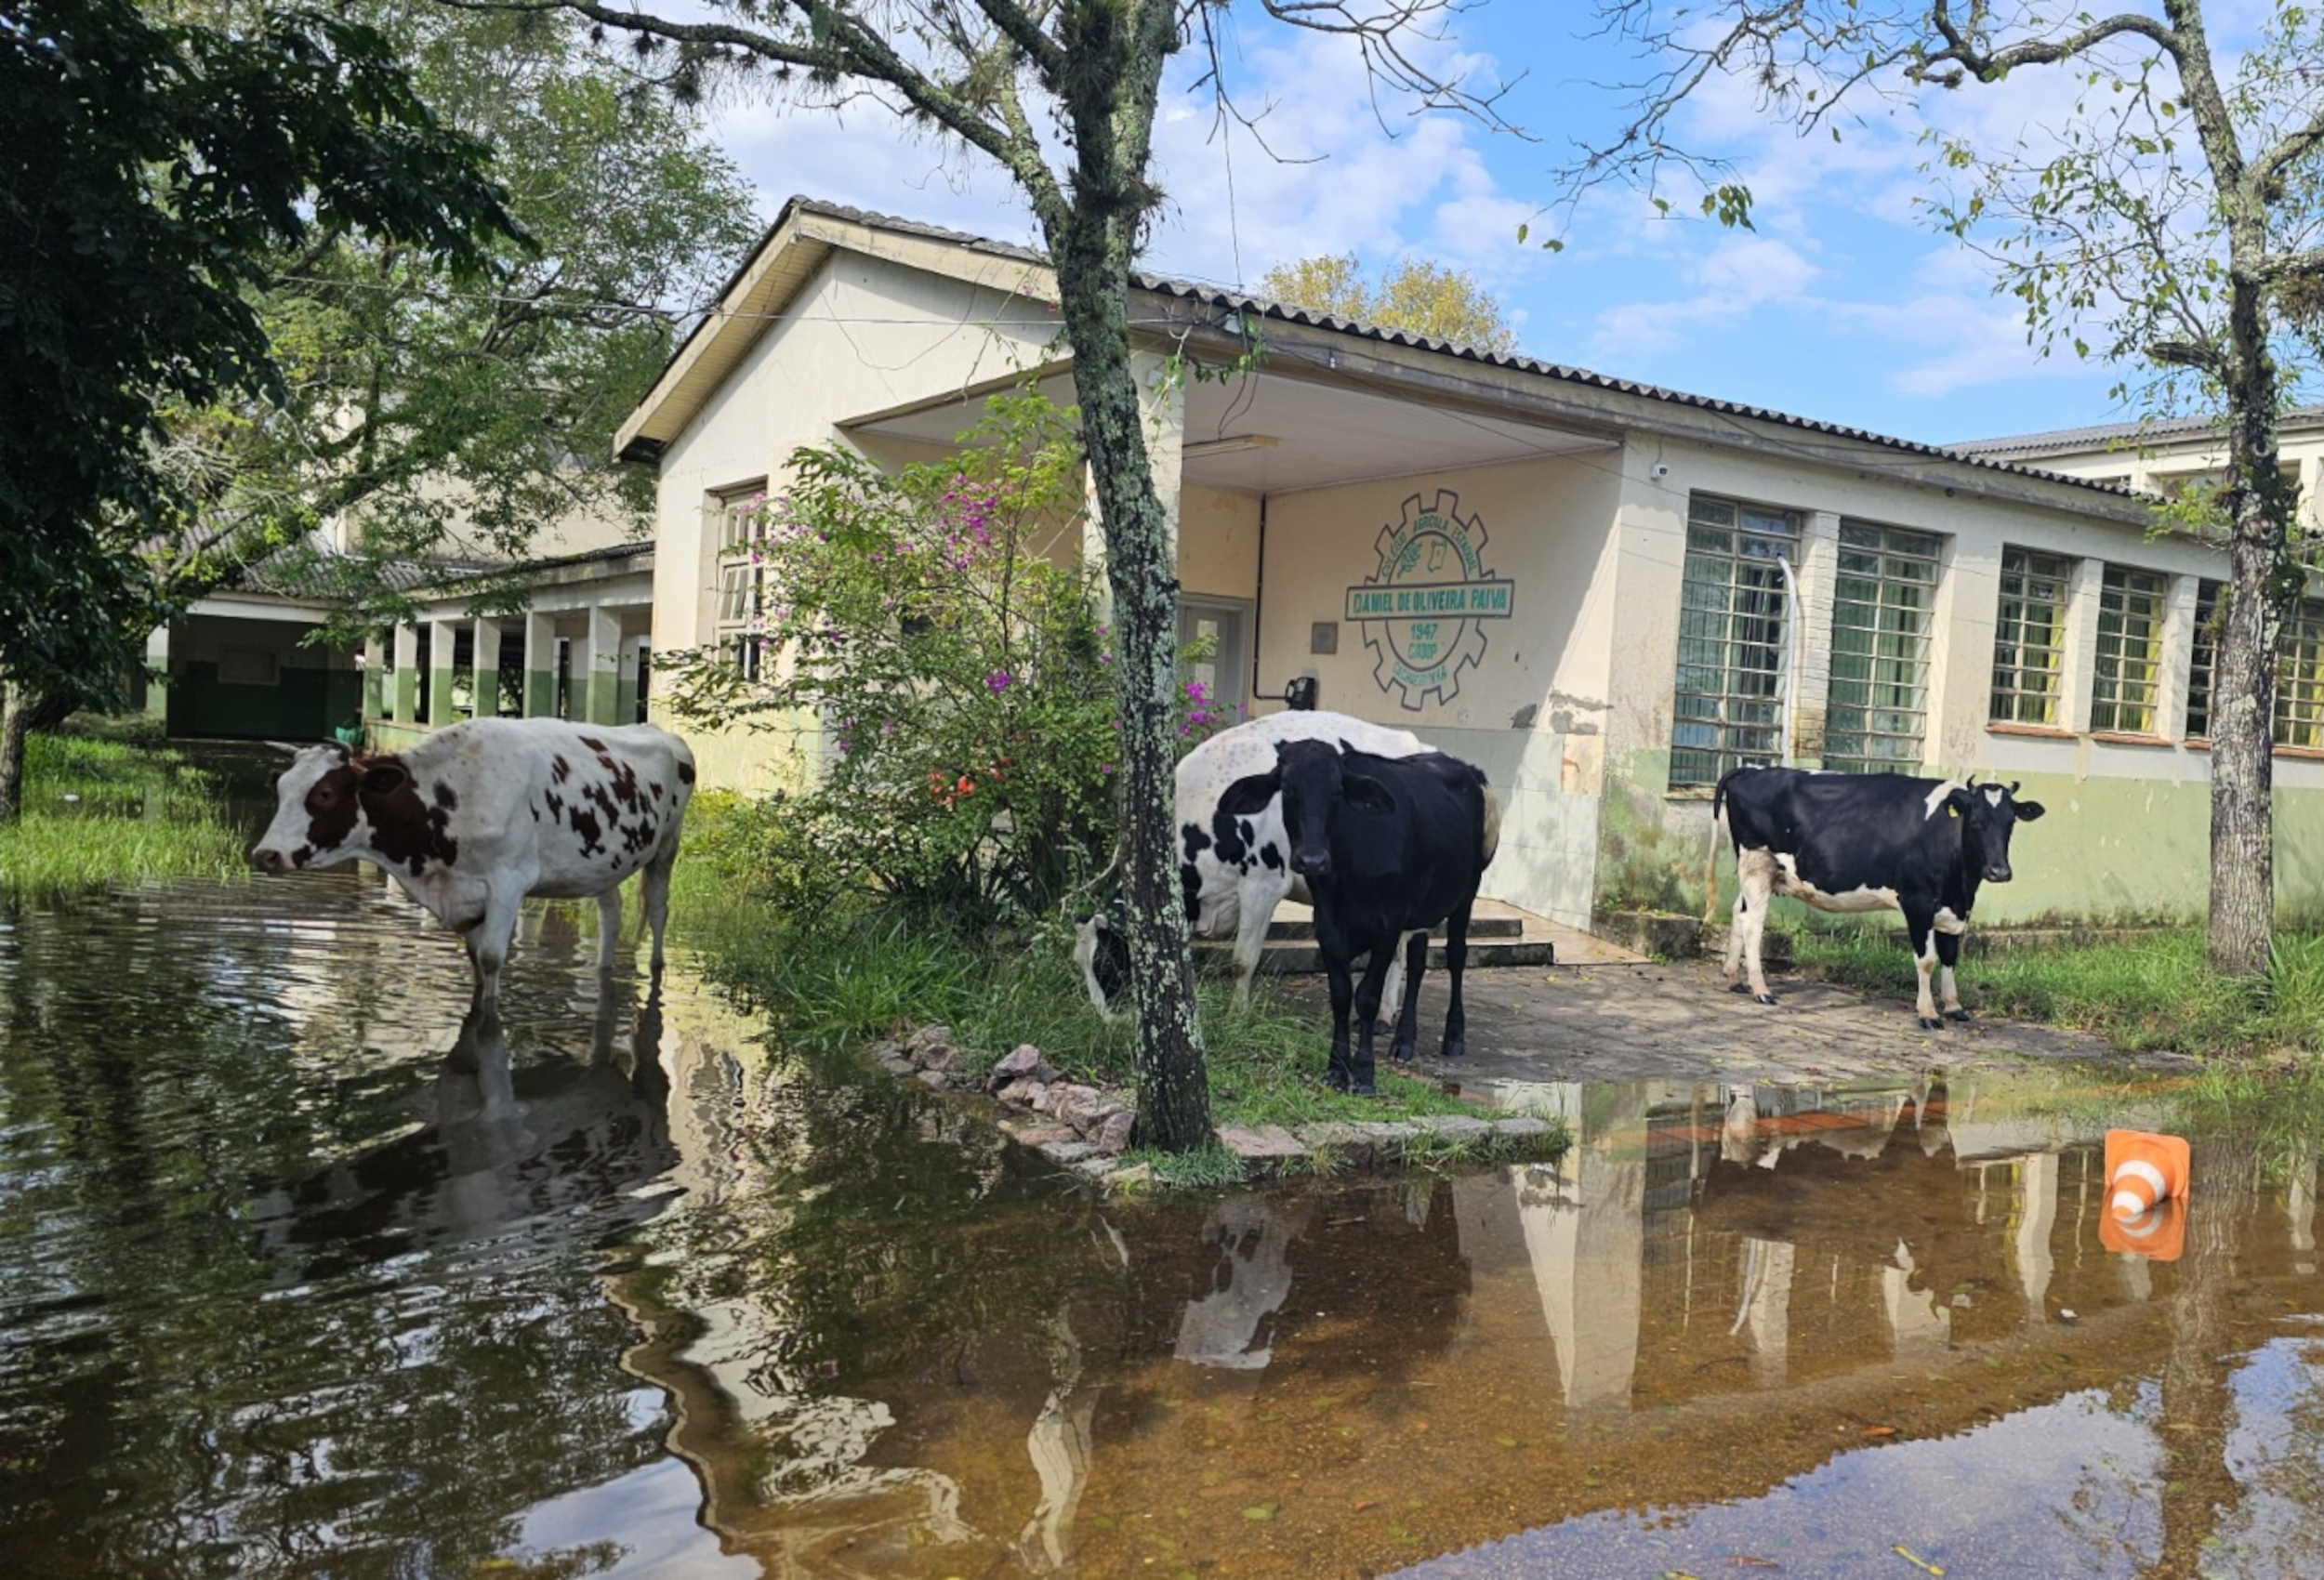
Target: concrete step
[(1498, 935), (1300, 957), (1286, 927)]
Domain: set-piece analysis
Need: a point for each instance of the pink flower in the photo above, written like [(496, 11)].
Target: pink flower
[(998, 682)]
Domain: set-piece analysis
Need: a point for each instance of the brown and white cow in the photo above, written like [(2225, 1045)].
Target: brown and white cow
[(477, 816)]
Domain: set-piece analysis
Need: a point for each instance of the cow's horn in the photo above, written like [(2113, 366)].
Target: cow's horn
[(288, 748), (2012, 786)]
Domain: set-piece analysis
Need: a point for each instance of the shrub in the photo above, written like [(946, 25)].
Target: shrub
[(936, 629)]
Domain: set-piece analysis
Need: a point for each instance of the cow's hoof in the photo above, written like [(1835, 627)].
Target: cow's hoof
[(1336, 1081), (1960, 1015), (1931, 1024), (1404, 1055), (1362, 1089), (1762, 998), (1382, 1030), (1737, 987), (1453, 1049)]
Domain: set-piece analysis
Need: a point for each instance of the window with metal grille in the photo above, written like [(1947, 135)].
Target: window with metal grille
[(2202, 660), (2129, 665), (1729, 704), (739, 521), (2029, 637), (1876, 710), (2300, 679)]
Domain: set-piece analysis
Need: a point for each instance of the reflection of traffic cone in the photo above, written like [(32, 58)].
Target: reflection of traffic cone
[(2143, 1169), (2158, 1234)]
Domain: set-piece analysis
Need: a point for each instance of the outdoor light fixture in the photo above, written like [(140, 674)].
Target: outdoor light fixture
[(1230, 444)]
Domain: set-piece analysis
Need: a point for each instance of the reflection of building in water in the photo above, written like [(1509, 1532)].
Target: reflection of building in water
[(1707, 1237)]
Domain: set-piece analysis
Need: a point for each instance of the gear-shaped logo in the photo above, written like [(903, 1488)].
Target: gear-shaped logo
[(1423, 613)]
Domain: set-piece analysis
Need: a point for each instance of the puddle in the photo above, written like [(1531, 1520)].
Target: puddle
[(282, 1292)]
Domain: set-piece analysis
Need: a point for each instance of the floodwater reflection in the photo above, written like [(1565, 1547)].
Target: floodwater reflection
[(298, 1274)]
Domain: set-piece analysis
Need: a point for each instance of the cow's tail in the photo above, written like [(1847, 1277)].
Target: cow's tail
[(1710, 857)]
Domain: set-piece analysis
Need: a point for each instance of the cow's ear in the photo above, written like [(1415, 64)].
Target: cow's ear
[(2029, 811), (1249, 797), (385, 777), (1366, 794)]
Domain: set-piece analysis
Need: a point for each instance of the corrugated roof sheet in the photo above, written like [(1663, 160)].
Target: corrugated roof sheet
[(2104, 434), (1240, 301)]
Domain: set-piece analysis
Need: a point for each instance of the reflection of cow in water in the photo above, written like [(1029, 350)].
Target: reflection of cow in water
[(496, 1145)]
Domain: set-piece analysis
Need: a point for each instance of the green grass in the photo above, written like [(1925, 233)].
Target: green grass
[(841, 979), (100, 812), (2147, 993)]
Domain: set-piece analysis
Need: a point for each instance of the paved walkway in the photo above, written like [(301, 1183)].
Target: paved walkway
[(1676, 1021)]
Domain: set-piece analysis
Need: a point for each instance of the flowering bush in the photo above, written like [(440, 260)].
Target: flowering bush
[(936, 629)]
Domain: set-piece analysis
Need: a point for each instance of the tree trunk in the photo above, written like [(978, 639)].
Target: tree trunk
[(1092, 256), (16, 719), (2262, 582)]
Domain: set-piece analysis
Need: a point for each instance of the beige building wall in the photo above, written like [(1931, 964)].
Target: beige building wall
[(1532, 708), (865, 334), (2128, 834)]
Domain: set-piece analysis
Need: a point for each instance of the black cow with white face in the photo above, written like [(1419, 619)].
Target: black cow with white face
[(1867, 842), (1388, 846)]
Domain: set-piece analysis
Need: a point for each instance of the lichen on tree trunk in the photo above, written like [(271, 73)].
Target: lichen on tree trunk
[(1092, 258)]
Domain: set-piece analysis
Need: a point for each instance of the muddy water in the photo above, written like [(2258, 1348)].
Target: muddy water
[(284, 1290)]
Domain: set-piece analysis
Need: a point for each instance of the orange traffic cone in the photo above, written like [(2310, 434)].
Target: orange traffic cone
[(2158, 1234), (2143, 1169)]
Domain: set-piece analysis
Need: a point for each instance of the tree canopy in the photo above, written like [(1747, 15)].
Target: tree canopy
[(157, 167), (443, 419), (1415, 294)]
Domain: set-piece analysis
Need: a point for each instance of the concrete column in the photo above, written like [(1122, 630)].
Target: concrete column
[(1816, 573), (597, 668), (540, 666), (2079, 665), (485, 683), (444, 638), (407, 676), (157, 677), (2178, 657), (375, 676)]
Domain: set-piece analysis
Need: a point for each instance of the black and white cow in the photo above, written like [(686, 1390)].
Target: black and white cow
[(477, 816), (1389, 848), (1867, 842), (1232, 866)]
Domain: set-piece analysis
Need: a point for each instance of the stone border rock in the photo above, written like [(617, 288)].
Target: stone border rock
[(1085, 1129)]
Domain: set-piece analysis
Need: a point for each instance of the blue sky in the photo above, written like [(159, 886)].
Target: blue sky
[(1840, 306)]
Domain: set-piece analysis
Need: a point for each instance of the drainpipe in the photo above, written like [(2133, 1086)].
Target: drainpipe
[(1258, 600), (1791, 656)]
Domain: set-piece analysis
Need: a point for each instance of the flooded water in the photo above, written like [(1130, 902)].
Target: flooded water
[(284, 1290)]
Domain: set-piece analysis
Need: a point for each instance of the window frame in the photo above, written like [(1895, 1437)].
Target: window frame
[(2119, 703), (2300, 679), (2033, 565), (738, 524), (1903, 545), (1751, 604), (2202, 665)]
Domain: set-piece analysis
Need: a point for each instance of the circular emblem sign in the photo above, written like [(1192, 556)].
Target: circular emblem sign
[(1423, 613)]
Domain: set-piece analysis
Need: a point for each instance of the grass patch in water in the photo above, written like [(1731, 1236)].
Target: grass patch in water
[(102, 811), (2151, 991), (841, 979)]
